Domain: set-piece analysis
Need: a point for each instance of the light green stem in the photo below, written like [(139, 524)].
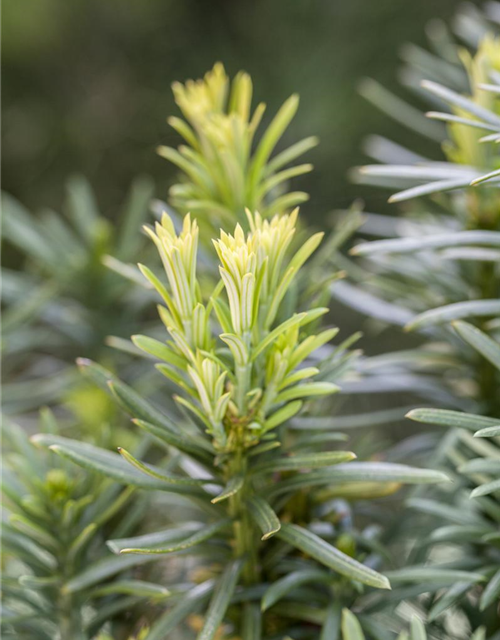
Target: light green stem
[(246, 538)]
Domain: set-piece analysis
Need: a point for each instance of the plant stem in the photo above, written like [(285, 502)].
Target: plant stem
[(245, 535), (69, 624)]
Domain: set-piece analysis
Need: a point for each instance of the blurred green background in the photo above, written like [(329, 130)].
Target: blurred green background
[(86, 83)]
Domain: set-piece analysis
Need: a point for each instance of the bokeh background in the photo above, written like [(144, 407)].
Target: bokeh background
[(86, 84)]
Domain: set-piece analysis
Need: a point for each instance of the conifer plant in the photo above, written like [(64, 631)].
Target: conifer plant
[(59, 580), (439, 276), (241, 386), (247, 351)]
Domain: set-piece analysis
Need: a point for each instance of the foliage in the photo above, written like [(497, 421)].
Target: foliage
[(351, 629), (59, 580), (259, 522), (57, 517), (478, 463), (441, 267), (248, 352), (225, 174), (66, 299), (236, 427)]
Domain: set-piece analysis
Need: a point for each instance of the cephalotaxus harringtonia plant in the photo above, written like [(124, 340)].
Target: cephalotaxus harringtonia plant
[(442, 263), (223, 171), (478, 463), (244, 368), (442, 266), (65, 299), (458, 230), (59, 581)]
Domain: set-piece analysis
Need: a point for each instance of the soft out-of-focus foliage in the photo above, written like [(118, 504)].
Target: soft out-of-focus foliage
[(56, 567), (67, 299), (351, 629), (477, 462), (440, 267)]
